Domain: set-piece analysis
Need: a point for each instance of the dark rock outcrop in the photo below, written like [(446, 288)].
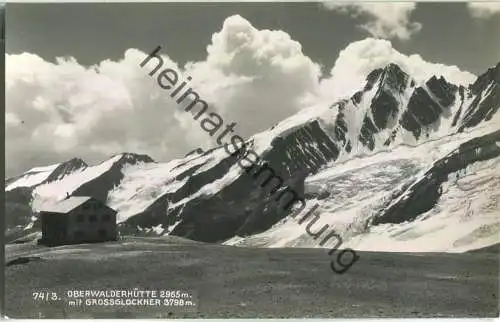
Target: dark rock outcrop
[(391, 103), (103, 184), (23, 260), (486, 102), (65, 169), (248, 205), (423, 194)]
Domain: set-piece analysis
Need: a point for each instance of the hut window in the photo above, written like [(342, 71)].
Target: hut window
[(106, 217), (92, 218)]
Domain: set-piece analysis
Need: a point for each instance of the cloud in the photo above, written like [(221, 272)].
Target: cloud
[(55, 111), (256, 78), (384, 19), (359, 58), (62, 110), (484, 10)]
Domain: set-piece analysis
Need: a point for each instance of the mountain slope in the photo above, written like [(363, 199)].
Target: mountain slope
[(485, 96), (405, 199), (41, 175), (94, 181), (390, 110), (28, 193), (19, 192), (207, 196)]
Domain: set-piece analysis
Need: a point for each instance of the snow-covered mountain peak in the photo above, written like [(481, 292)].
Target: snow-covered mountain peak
[(361, 58), (394, 78), (208, 196), (492, 75), (40, 175), (43, 168), (66, 168), (393, 107), (132, 158), (88, 180)]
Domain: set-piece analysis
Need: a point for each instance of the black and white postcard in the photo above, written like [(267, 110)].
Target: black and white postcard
[(252, 160)]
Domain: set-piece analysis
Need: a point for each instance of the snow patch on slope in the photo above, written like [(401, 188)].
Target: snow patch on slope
[(464, 218), (141, 185), (363, 184), (33, 177), (262, 141), (213, 187), (29, 180), (57, 190), (45, 168)]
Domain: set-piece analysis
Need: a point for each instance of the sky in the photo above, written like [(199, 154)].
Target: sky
[(74, 87)]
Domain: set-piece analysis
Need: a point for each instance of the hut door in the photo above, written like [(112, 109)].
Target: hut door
[(61, 228)]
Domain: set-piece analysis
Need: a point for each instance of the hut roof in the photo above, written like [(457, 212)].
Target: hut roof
[(66, 205)]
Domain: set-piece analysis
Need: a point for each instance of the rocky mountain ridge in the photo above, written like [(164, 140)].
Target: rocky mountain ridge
[(206, 196)]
